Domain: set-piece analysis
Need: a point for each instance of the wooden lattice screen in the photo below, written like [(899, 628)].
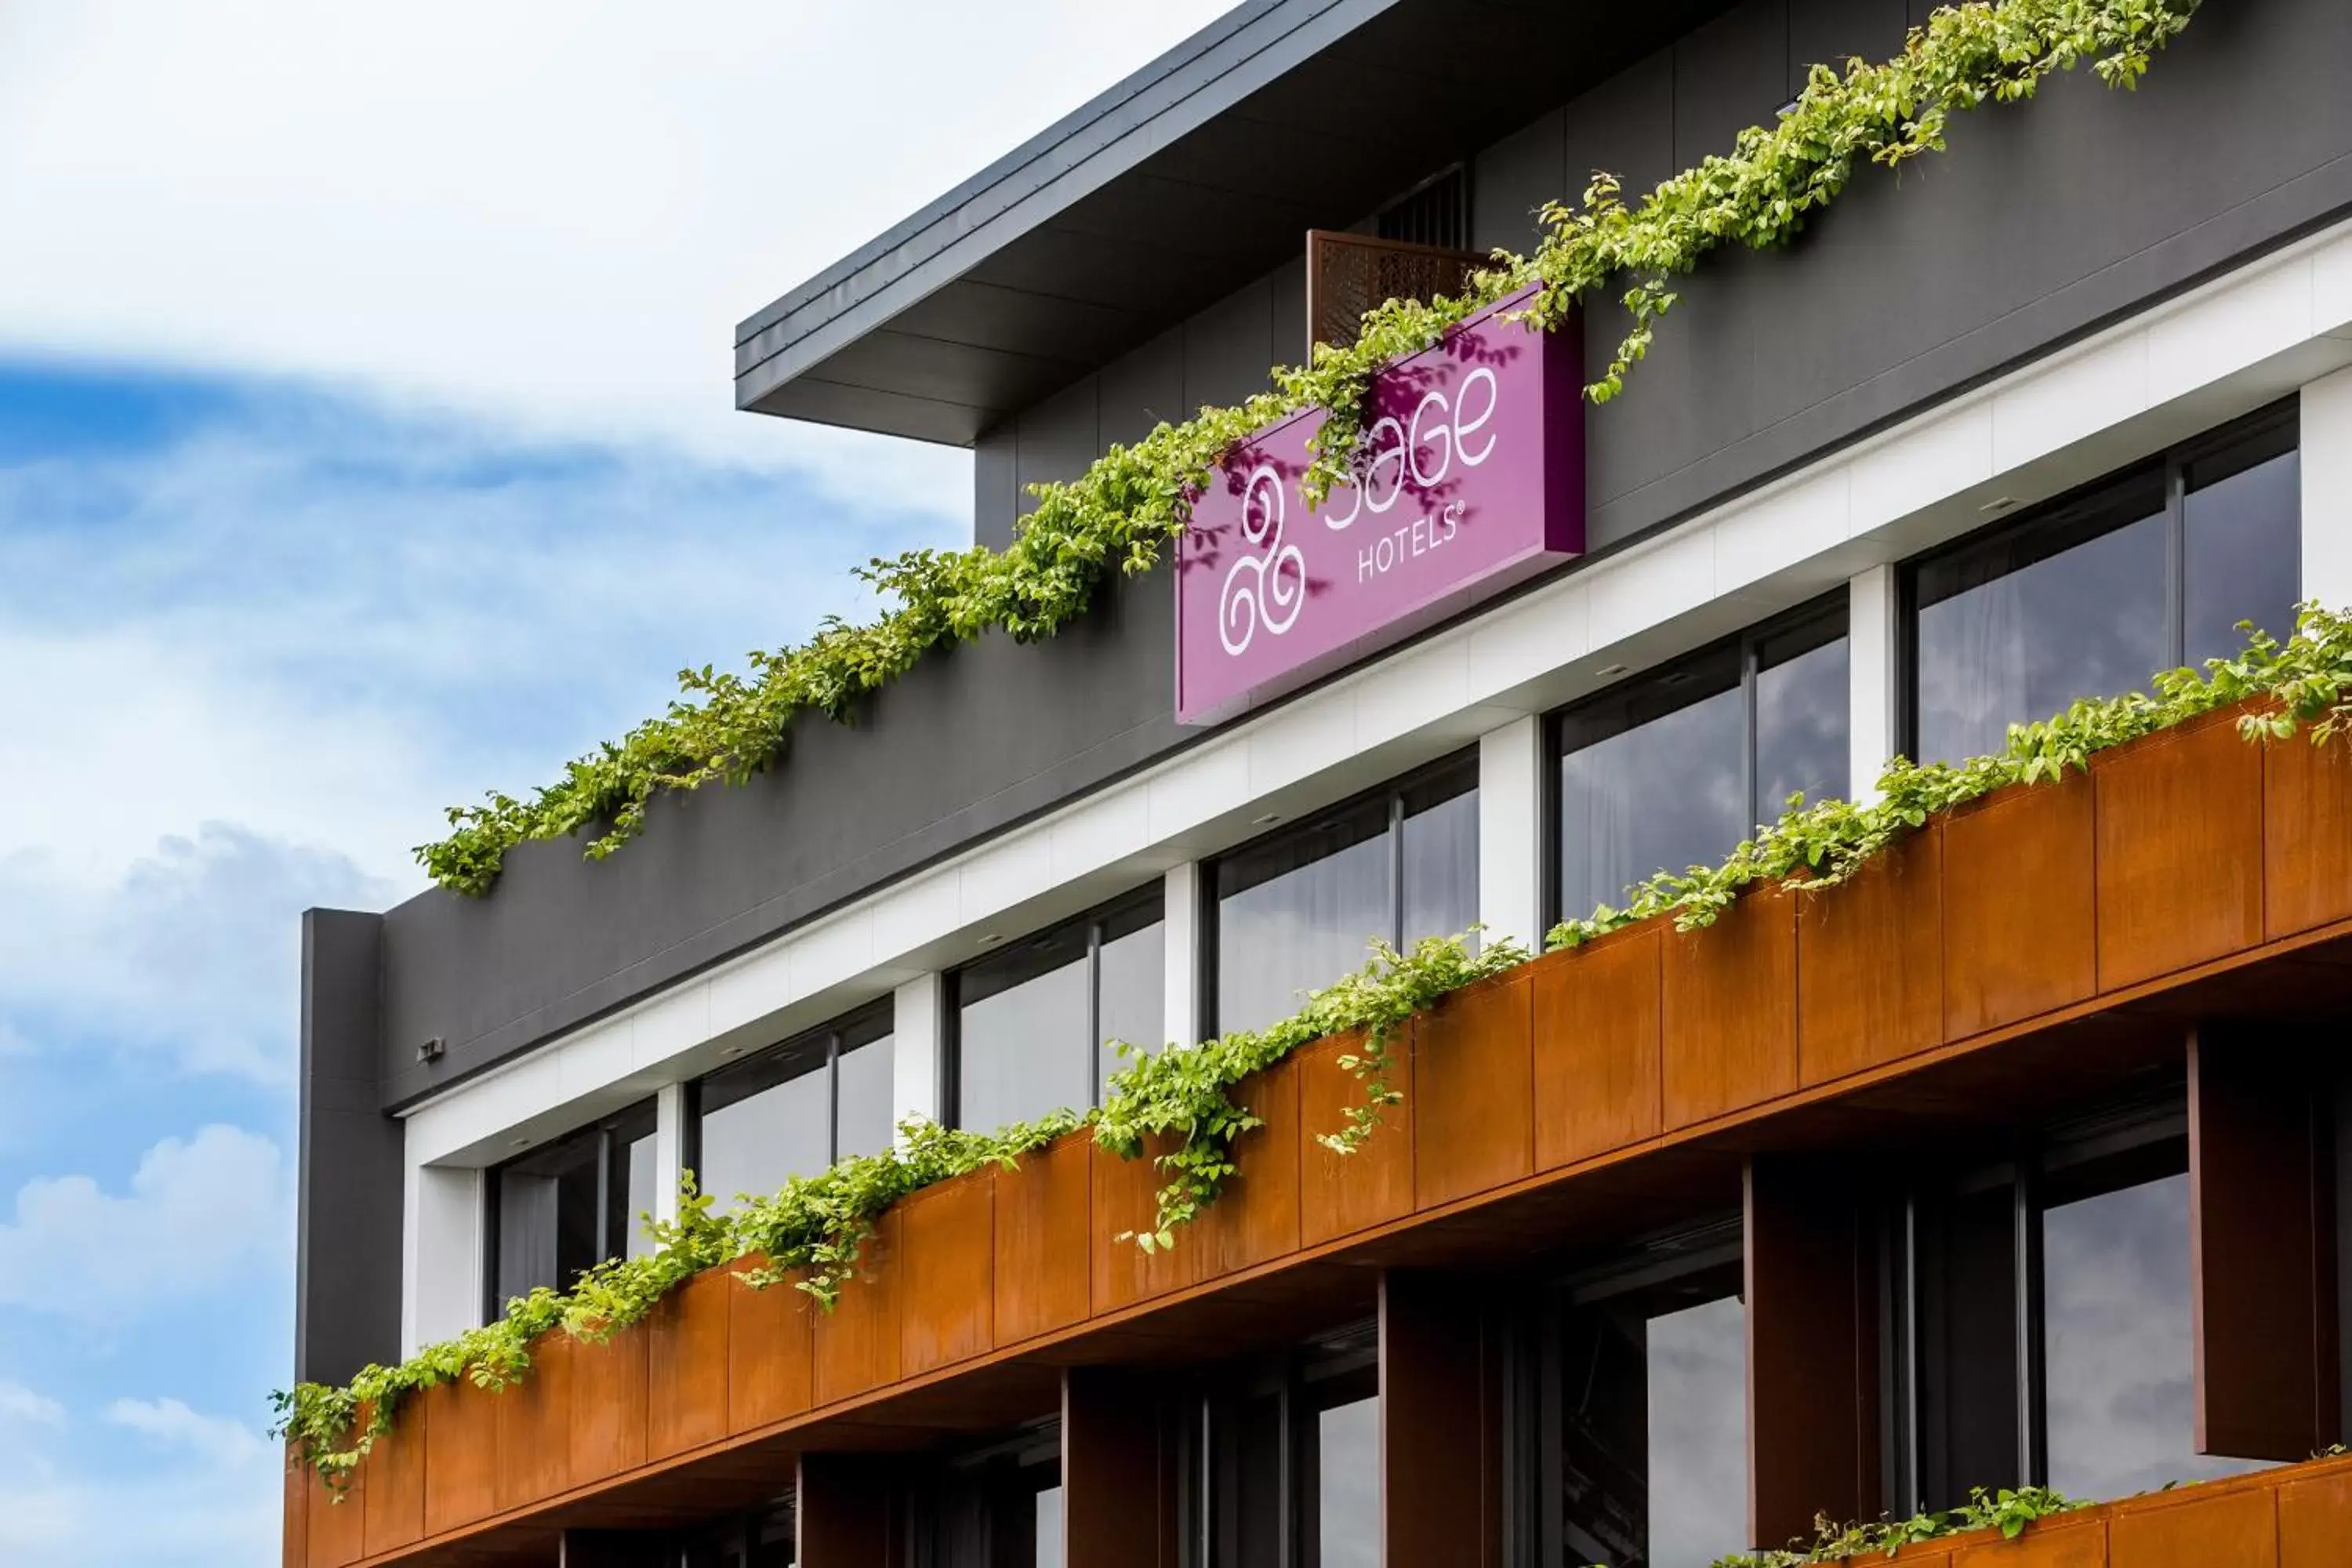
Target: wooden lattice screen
[(1347, 274)]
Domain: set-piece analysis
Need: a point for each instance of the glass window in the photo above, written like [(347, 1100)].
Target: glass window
[(1035, 1022), (1346, 1447), (570, 1204), (1673, 768), (1647, 1447), (795, 1108), (2087, 1329), (2093, 596), (1291, 1469), (2117, 1347), (2241, 522), (1301, 908), (996, 1504)]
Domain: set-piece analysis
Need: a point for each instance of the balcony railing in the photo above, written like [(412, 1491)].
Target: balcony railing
[(1347, 274)]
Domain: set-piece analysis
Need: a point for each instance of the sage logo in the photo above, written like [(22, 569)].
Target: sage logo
[(1267, 589), (1398, 447)]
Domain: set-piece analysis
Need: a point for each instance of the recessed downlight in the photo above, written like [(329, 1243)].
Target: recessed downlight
[(1610, 671), (990, 938), (1999, 504), (1269, 820)]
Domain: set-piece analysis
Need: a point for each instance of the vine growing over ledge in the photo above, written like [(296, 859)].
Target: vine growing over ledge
[(2009, 1509), (809, 1233), (1133, 502)]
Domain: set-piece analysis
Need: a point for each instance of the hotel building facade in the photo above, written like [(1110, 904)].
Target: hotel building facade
[(2025, 1158)]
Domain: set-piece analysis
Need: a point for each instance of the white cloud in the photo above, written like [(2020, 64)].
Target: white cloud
[(198, 1215), (211, 1440), (20, 1405), (186, 1488), (556, 216), (192, 954), (328, 623)]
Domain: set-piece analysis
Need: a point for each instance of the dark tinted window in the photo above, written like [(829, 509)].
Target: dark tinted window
[(796, 1108), (1035, 1021), (1301, 908), (2093, 596), (1647, 1463), (2116, 1349), (1671, 769), (570, 1204)]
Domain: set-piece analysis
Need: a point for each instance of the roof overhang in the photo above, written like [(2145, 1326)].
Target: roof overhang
[(1194, 176)]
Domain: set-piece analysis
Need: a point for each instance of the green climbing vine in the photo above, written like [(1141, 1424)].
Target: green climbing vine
[(1133, 502), (1183, 1102), (2008, 1511), (1825, 843)]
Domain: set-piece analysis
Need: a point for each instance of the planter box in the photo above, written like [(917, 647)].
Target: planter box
[(1870, 963), (770, 1354), (1339, 1195), (534, 1427), (1125, 1200), (1039, 1279), (946, 1252), (1597, 1045), (1729, 1022), (1255, 1218), (608, 1406), (856, 1345), (393, 1477), (2306, 835), (1473, 1090), (2021, 905), (2180, 849), (686, 1365), (461, 1455)]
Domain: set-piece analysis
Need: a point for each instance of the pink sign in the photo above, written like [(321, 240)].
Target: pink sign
[(1473, 481)]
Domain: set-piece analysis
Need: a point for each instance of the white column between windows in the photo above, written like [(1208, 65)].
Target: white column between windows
[(1180, 949), (669, 1150), (441, 1254), (1873, 672), (1510, 832), (2326, 467), (918, 1048)]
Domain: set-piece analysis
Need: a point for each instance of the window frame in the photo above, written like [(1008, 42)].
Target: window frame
[(1640, 693), (1395, 790), (612, 1160), (1707, 1252), (1094, 922), (829, 1036), (2108, 1148), (2109, 496)]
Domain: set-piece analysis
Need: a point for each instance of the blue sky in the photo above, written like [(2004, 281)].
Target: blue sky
[(365, 444)]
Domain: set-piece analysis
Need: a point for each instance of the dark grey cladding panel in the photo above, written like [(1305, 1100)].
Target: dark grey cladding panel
[(1624, 127), (1511, 181), (1731, 73), (2044, 221), (1289, 285), (1058, 438), (996, 485), (969, 743), (1229, 347), (1830, 32), (1144, 389), (348, 1221)]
